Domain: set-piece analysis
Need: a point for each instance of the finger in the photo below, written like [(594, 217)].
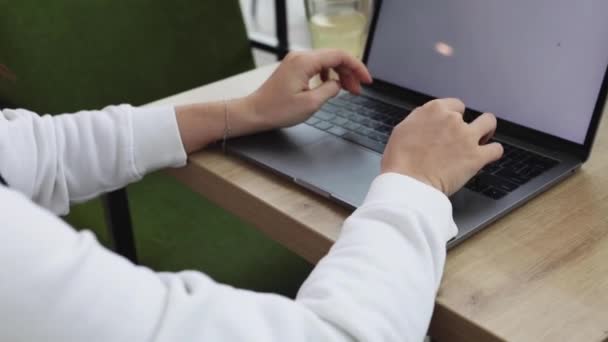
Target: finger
[(456, 115), (452, 104), (332, 58), (490, 153), (348, 81), (484, 126), (315, 98)]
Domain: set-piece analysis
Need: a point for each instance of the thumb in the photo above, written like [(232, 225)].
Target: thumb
[(324, 92)]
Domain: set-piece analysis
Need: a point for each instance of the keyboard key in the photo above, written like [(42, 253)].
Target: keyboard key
[(385, 138), (324, 115), (494, 193), (339, 101), (384, 119), (324, 125), (544, 163), (496, 182), (393, 121), (330, 108), (363, 130), (384, 129), (339, 121), (379, 106), (534, 172), (506, 162), (525, 156), (395, 111), (374, 115), (523, 171), (312, 121), (515, 154), (360, 100), (366, 122), (342, 112), (353, 107), (358, 118), (511, 176), (351, 126), (375, 136), (492, 167), (339, 131), (375, 125), (518, 166), (475, 185), (361, 140)]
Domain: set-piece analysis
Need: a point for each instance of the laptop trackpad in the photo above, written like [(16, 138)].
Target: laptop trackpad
[(340, 168)]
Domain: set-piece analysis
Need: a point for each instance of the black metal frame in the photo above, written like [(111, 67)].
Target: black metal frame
[(282, 47), (116, 203), (118, 220)]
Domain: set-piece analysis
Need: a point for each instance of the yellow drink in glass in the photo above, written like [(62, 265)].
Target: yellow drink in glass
[(339, 24), (344, 31)]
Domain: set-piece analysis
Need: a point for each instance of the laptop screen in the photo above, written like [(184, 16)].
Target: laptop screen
[(537, 63)]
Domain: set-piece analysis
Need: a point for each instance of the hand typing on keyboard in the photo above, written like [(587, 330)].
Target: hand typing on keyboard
[(434, 145), (285, 99)]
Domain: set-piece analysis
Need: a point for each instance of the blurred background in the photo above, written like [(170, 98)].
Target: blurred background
[(259, 17)]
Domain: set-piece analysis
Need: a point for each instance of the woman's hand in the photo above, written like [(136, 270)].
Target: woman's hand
[(286, 99), (436, 146)]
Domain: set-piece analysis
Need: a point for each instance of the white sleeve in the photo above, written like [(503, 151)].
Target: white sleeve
[(377, 283), (55, 160)]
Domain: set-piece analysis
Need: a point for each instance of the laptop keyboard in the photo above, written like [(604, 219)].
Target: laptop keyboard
[(516, 167), (369, 122), (360, 119)]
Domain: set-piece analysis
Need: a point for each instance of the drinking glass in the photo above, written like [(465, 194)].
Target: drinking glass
[(341, 24)]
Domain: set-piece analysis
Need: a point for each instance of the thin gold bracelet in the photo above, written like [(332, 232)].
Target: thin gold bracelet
[(227, 129)]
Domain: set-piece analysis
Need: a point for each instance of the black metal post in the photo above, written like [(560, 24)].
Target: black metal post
[(281, 24), (118, 220)]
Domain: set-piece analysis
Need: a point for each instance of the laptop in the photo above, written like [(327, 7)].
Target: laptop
[(540, 66)]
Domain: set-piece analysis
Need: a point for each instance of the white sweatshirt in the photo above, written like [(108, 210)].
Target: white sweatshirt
[(378, 282)]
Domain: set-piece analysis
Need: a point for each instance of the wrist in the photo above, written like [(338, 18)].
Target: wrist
[(255, 116), (201, 124), (243, 117)]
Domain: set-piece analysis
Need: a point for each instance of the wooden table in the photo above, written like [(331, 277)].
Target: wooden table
[(540, 274)]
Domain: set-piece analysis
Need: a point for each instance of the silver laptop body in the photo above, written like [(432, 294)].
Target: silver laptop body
[(545, 81)]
